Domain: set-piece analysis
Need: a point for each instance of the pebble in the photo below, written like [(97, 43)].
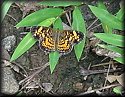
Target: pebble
[(8, 42), (78, 86), (8, 82)]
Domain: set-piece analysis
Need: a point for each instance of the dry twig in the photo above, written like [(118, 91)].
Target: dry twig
[(29, 78), (106, 87), (85, 72)]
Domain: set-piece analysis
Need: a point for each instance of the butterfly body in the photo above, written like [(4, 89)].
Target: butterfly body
[(57, 40)]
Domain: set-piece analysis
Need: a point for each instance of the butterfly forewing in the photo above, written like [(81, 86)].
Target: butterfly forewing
[(46, 39)]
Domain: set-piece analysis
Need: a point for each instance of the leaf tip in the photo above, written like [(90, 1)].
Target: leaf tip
[(12, 59)]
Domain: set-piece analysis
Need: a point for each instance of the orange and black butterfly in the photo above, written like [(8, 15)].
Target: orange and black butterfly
[(57, 40)]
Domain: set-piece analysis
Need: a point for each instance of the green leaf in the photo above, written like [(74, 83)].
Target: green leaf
[(37, 17), (53, 60), (79, 25), (107, 18), (112, 48), (5, 7), (120, 14), (54, 56), (60, 3), (58, 24), (106, 28), (120, 60), (114, 39), (117, 90), (27, 42), (47, 22)]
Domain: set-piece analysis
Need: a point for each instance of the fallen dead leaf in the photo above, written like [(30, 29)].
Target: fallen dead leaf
[(104, 52), (111, 78), (120, 79)]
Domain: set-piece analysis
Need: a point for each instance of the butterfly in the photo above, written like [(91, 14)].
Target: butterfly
[(51, 40)]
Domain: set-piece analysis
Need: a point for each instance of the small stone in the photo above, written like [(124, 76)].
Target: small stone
[(78, 86), (9, 84), (5, 54), (9, 42), (47, 86)]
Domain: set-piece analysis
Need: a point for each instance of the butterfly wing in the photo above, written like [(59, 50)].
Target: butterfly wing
[(46, 39), (67, 39)]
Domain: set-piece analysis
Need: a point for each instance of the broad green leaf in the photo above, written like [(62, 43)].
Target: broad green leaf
[(112, 48), (120, 14), (27, 42), (79, 49), (37, 17), (60, 3), (53, 60), (58, 24), (79, 25), (5, 7), (106, 28), (114, 39), (117, 90), (120, 60), (54, 56), (47, 22), (107, 18)]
